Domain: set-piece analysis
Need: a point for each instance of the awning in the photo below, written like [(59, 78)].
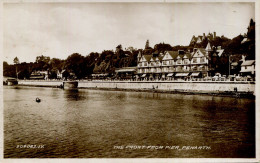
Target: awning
[(195, 74), (170, 74), (143, 75), (37, 77), (182, 74), (246, 71), (125, 70)]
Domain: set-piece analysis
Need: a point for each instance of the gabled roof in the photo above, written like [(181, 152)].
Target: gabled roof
[(220, 52), (173, 54), (208, 47), (147, 57), (153, 59), (248, 63), (139, 54), (160, 58), (188, 55)]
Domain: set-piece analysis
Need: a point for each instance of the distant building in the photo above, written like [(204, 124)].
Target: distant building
[(196, 40), (126, 72), (40, 75), (247, 67)]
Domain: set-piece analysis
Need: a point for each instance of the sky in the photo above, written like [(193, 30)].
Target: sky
[(60, 29)]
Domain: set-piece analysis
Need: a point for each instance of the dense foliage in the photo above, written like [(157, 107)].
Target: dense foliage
[(108, 61)]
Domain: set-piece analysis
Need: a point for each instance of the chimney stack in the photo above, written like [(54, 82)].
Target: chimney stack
[(214, 35)]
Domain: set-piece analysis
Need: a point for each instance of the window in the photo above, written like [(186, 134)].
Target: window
[(194, 60), (245, 67), (164, 62), (179, 68), (179, 61), (145, 63), (186, 61), (202, 59)]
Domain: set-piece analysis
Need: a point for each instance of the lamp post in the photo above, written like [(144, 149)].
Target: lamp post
[(229, 64)]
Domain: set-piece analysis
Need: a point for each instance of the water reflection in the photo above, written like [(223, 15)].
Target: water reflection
[(74, 95), (89, 123)]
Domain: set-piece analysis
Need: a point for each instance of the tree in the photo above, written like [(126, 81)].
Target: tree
[(162, 47), (76, 63), (16, 60)]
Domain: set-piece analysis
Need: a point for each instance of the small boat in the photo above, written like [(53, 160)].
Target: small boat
[(38, 100)]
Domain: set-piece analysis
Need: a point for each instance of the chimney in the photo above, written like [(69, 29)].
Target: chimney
[(204, 36), (214, 36)]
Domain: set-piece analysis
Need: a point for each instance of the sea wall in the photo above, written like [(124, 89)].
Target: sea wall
[(183, 86), (40, 83), (178, 86)]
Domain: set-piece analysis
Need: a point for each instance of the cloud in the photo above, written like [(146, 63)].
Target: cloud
[(60, 29)]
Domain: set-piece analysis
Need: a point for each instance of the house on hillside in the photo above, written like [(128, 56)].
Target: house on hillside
[(196, 40)]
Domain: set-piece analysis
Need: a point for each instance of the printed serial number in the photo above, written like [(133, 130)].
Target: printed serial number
[(30, 146)]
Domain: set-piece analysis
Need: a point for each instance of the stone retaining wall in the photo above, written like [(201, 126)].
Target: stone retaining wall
[(189, 86), (175, 86)]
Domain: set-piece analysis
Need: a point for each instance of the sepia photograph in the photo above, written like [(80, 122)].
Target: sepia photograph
[(129, 80)]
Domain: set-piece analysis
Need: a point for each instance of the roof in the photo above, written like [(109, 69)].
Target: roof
[(248, 63), (173, 54), (154, 58), (147, 57), (189, 55), (220, 52), (195, 74), (139, 54), (160, 58), (244, 40), (208, 47), (203, 51)]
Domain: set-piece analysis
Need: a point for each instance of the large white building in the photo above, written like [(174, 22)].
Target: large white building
[(178, 64)]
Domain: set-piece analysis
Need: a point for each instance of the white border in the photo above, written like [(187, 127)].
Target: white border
[(257, 20)]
